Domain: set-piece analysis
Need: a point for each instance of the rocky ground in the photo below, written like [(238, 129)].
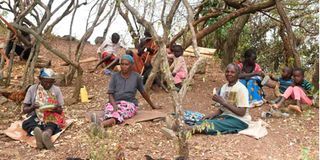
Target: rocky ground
[(296, 137)]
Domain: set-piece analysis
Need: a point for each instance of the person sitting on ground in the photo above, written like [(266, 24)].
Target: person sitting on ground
[(122, 90), (300, 90), (283, 83), (170, 56), (109, 50), (43, 104), (233, 103), (251, 76), (178, 67), (147, 49)]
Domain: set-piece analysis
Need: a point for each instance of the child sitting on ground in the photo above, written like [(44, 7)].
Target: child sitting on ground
[(109, 51), (178, 67), (283, 83), (300, 90)]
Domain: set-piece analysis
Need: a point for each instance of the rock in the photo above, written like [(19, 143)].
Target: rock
[(68, 37), (169, 133), (69, 101), (202, 68), (3, 100), (99, 40)]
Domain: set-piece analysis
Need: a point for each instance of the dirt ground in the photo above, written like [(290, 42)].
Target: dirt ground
[(296, 137)]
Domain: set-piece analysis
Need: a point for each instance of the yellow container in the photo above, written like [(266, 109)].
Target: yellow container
[(84, 94)]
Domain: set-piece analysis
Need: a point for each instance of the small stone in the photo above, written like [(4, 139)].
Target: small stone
[(168, 133), (3, 100)]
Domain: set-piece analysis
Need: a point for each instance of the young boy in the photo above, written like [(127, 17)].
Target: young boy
[(178, 67), (284, 82), (109, 50), (300, 91), (43, 104)]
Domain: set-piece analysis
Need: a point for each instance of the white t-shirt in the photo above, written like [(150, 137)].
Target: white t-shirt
[(236, 95), (111, 48)]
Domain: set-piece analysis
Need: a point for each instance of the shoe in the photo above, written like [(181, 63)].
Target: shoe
[(46, 139), (266, 114), (38, 135)]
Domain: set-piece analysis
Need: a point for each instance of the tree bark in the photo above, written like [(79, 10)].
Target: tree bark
[(315, 77), (231, 44), (134, 35), (290, 35), (193, 33), (11, 62), (109, 21)]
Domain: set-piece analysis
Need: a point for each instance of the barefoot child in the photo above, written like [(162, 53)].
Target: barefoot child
[(43, 104), (299, 91), (178, 67)]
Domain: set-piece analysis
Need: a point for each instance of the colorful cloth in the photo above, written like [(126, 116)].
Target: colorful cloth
[(257, 67), (297, 93), (47, 100), (254, 89), (47, 73), (112, 57), (191, 117), (223, 124), (125, 110), (253, 86), (284, 84)]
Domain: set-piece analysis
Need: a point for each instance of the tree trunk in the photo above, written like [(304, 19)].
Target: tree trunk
[(78, 84), (12, 52), (290, 35), (26, 70), (315, 77), (33, 63), (231, 44)]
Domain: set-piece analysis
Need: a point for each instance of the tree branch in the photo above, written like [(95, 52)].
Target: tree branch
[(245, 10), (47, 45), (190, 22)]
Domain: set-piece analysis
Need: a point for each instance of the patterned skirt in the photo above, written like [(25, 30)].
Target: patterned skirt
[(125, 110), (255, 91)]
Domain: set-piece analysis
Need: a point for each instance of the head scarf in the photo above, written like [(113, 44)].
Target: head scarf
[(47, 73), (127, 57)]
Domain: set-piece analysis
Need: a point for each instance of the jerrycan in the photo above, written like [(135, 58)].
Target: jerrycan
[(84, 94)]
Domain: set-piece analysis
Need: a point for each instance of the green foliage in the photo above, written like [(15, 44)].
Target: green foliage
[(102, 143), (262, 32), (221, 32), (305, 153), (200, 128)]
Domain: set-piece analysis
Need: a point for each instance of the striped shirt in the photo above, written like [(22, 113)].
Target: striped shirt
[(308, 87), (284, 84)]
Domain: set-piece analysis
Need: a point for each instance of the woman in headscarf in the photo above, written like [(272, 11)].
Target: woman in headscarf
[(122, 91), (43, 104)]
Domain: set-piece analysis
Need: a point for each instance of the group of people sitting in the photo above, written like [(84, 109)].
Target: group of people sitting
[(109, 55), (43, 102), (291, 84)]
